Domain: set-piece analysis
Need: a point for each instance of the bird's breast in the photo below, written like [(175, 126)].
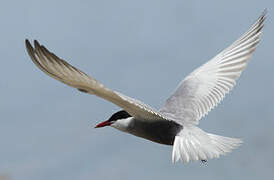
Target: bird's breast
[(160, 131)]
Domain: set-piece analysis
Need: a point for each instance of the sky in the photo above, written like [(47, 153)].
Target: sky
[(142, 49)]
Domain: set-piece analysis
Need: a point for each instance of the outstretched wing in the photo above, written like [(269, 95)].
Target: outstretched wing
[(66, 73), (206, 86)]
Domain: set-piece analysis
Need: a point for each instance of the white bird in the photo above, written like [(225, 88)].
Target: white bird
[(176, 122)]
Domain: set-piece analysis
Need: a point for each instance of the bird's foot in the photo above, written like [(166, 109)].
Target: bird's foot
[(204, 161)]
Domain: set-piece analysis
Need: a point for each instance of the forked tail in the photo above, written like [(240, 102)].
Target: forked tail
[(193, 144)]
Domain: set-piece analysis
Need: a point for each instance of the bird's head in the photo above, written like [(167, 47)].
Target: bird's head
[(119, 120)]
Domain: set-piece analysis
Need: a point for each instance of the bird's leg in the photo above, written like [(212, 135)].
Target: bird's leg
[(204, 161)]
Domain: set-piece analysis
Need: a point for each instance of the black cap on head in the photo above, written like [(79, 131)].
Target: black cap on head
[(119, 115), (116, 116)]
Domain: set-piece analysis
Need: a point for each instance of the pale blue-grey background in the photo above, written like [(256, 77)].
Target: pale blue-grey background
[(142, 48)]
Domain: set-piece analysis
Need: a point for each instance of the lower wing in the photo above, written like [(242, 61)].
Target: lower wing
[(66, 73), (205, 87)]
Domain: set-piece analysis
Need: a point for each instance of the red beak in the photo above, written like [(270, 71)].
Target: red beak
[(102, 124)]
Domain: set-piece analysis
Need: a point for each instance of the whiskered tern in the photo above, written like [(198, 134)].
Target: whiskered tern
[(176, 122)]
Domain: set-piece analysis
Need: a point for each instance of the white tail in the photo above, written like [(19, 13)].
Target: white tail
[(192, 144)]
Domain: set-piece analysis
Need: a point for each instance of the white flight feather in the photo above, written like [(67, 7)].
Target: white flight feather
[(201, 91), (195, 96), (66, 73), (206, 86)]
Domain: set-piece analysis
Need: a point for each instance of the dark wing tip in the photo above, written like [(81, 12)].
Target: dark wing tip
[(27, 41), (263, 16), (28, 45), (36, 44), (30, 49)]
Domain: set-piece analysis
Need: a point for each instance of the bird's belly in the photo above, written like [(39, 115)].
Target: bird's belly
[(160, 131)]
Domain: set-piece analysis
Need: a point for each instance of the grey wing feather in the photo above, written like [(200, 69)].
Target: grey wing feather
[(66, 73), (206, 86)]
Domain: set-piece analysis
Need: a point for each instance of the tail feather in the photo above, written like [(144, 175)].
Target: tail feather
[(193, 144)]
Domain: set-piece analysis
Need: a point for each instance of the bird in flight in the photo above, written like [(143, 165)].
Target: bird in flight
[(176, 122)]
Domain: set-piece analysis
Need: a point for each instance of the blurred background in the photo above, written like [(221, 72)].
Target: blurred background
[(140, 48)]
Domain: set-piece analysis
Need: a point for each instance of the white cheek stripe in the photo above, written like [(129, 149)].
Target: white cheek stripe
[(122, 124)]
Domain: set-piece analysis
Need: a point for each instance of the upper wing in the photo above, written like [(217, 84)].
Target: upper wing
[(206, 86), (66, 73)]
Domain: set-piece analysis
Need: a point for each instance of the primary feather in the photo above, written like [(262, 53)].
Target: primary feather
[(68, 74), (201, 91), (206, 86), (195, 96)]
